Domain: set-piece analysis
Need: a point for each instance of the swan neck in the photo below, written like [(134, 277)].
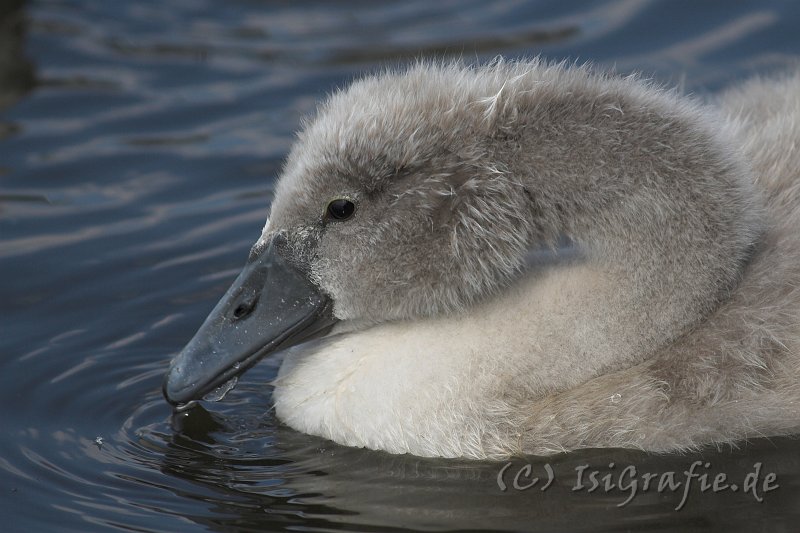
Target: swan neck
[(655, 194)]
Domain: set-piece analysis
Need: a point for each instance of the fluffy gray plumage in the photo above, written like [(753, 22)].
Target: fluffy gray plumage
[(677, 325)]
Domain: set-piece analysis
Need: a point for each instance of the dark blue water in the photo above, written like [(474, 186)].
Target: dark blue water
[(139, 143)]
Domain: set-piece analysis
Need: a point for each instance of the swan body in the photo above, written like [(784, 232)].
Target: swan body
[(464, 327)]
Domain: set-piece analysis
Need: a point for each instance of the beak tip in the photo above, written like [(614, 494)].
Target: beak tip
[(169, 390), (174, 387)]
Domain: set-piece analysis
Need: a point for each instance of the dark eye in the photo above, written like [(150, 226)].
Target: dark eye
[(341, 209)]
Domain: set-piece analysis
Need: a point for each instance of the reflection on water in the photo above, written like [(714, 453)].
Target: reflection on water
[(136, 169), (16, 72), (326, 479)]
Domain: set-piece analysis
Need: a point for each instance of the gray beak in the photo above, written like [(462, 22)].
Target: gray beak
[(272, 305)]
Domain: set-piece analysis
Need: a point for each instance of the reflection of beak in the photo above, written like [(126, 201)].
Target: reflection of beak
[(272, 305)]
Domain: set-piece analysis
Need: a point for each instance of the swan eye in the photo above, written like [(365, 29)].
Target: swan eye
[(340, 209)]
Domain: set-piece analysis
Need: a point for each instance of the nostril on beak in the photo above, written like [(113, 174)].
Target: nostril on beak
[(244, 309)]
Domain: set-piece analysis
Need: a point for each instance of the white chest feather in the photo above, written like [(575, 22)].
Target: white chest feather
[(450, 386)]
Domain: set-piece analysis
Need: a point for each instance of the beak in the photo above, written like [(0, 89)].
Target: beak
[(272, 305)]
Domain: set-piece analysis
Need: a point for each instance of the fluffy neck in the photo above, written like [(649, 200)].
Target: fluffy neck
[(648, 184)]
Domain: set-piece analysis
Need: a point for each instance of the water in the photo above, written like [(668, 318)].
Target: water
[(219, 393), (138, 148)]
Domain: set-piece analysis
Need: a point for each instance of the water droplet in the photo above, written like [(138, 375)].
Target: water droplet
[(220, 392), (183, 407)]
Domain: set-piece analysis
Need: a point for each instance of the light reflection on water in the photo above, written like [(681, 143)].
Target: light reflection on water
[(135, 177)]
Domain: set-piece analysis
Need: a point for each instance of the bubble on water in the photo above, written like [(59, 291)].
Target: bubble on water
[(220, 392)]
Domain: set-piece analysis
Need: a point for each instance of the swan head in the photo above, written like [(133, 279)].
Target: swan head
[(390, 206), (419, 193), (433, 223)]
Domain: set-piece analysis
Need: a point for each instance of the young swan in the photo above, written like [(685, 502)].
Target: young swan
[(413, 202)]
